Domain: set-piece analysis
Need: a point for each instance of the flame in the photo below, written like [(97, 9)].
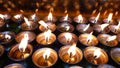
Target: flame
[(17, 16), (7, 36), (72, 50), (117, 27), (89, 37), (23, 43), (86, 27), (66, 17), (50, 16), (33, 16), (68, 36), (103, 26), (105, 12), (26, 20), (2, 16), (110, 17), (47, 34), (46, 54), (80, 18), (67, 28), (94, 11), (97, 53), (96, 19), (111, 38), (43, 23)]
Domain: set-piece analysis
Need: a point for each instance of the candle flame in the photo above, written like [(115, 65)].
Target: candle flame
[(68, 36), (43, 23), (66, 17), (72, 50), (7, 36), (46, 54), (80, 18), (111, 38), (17, 16), (103, 26), (47, 34), (24, 42), (50, 16), (33, 16), (86, 27), (67, 28), (2, 16), (110, 17), (96, 19), (89, 37), (26, 21), (94, 11), (117, 27), (97, 53)]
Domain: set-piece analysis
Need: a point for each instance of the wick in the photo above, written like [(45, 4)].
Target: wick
[(70, 56), (46, 59), (95, 21), (47, 40), (88, 41), (21, 50), (94, 59)]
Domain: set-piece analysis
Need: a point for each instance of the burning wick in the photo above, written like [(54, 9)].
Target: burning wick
[(44, 24), (96, 19), (47, 35), (66, 17), (46, 55), (111, 38), (117, 27), (89, 37), (80, 19), (68, 37), (17, 16), (86, 27), (23, 44), (97, 54), (67, 27), (27, 22), (33, 16), (103, 26), (50, 16), (72, 52), (7, 37), (109, 17)]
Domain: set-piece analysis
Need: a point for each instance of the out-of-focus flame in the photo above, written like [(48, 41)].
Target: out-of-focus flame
[(46, 54), (86, 27), (33, 16), (2, 16), (68, 37), (103, 26), (47, 34), (17, 16), (94, 11), (111, 38), (66, 17), (80, 18), (117, 27), (67, 27), (72, 50), (7, 36), (23, 44), (96, 19), (50, 16), (26, 21), (97, 53), (110, 17), (43, 23), (89, 36)]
